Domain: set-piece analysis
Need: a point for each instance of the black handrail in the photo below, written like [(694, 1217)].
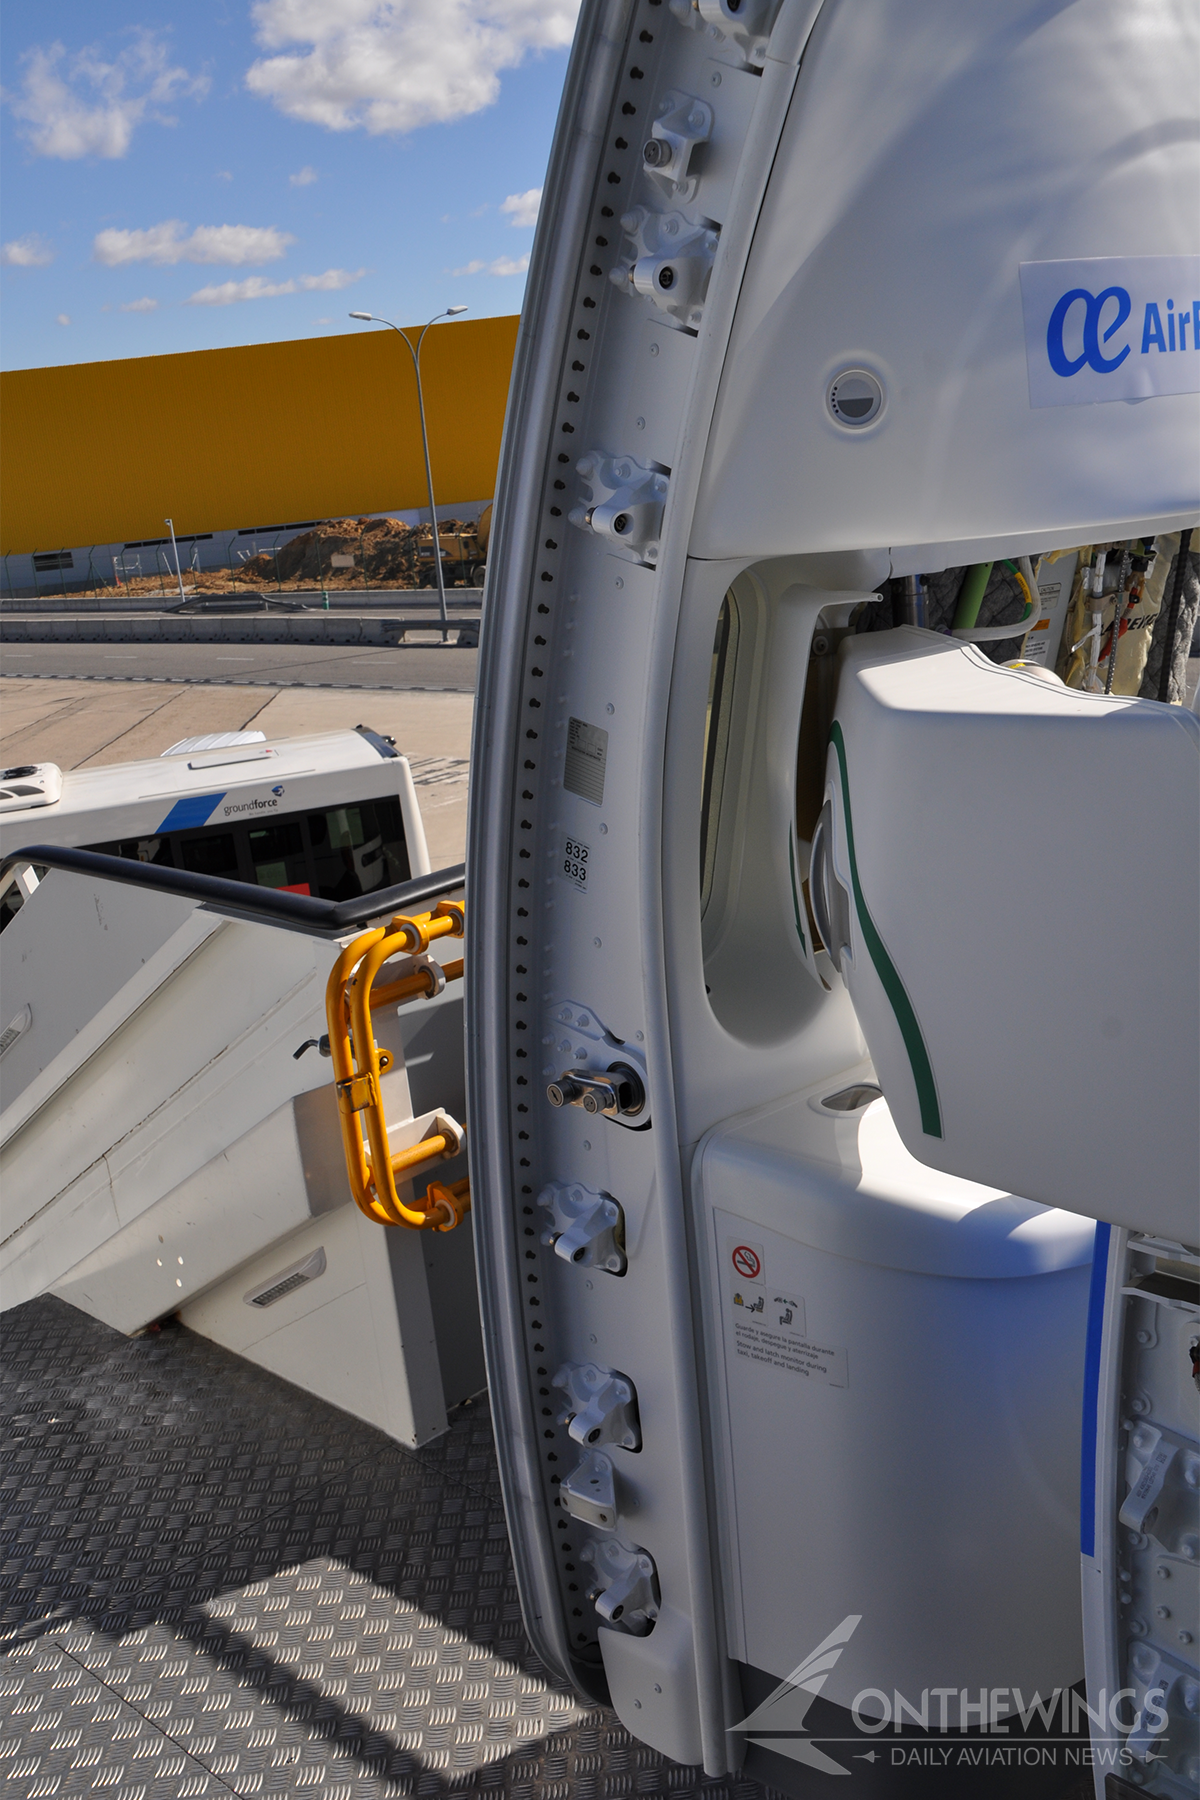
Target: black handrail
[(241, 899)]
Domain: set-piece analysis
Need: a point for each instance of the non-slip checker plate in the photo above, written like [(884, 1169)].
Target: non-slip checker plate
[(215, 1584)]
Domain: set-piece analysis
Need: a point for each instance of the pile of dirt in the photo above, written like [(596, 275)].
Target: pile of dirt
[(385, 551), (164, 586)]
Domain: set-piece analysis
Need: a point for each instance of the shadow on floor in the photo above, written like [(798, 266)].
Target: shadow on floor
[(215, 1584)]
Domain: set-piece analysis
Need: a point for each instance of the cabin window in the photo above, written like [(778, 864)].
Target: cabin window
[(337, 853), (358, 848), (278, 854), (147, 850), (210, 853)]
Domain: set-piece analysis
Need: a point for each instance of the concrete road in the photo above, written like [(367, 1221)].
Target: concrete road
[(89, 723), (410, 668), (117, 712)]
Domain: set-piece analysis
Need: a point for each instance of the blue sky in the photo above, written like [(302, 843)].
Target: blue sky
[(240, 171)]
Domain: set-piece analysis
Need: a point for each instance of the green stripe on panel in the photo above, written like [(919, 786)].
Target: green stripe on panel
[(885, 968)]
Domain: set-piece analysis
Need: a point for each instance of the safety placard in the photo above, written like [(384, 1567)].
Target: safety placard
[(747, 1261), (764, 1312), (586, 760), (816, 1362)]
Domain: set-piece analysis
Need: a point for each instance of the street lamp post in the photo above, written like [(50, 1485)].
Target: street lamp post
[(450, 313), (170, 525)]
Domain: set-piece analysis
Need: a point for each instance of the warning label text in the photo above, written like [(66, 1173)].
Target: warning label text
[(816, 1362)]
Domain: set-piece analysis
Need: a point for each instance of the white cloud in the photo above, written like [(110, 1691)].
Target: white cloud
[(392, 65), (62, 318), (233, 245), (503, 265), (28, 252), (256, 287), (303, 177), (332, 280), (523, 208), (81, 105), (145, 304), (223, 175), (226, 293)]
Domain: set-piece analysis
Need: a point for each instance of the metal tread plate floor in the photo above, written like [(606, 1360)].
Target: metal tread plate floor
[(215, 1584)]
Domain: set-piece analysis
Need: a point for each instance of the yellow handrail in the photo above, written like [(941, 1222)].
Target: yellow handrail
[(358, 1064)]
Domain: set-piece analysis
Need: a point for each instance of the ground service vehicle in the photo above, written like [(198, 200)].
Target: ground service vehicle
[(334, 814)]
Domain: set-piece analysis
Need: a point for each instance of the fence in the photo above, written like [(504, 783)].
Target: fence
[(370, 555)]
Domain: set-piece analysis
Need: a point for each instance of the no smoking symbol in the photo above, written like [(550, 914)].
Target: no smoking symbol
[(746, 1262)]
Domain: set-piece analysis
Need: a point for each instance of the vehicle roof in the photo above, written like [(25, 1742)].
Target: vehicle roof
[(281, 758)]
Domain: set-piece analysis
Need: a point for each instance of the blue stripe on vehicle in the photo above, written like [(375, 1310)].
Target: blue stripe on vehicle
[(195, 810), (1091, 1392)]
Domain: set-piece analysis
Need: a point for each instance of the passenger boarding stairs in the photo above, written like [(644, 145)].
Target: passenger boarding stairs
[(167, 1147)]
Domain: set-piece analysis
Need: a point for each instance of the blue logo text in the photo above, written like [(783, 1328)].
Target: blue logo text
[(1060, 362), (1163, 329)]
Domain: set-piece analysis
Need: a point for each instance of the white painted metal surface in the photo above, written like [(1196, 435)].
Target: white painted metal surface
[(930, 159), (690, 516), (966, 802), (162, 1149), (174, 1153), (839, 1273)]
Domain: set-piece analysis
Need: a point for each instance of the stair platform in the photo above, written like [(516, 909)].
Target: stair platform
[(217, 1585)]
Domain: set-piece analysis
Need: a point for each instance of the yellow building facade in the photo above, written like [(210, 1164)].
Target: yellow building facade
[(98, 453)]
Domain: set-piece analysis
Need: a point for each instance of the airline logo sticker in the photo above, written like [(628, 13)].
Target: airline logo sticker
[(1111, 328)]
